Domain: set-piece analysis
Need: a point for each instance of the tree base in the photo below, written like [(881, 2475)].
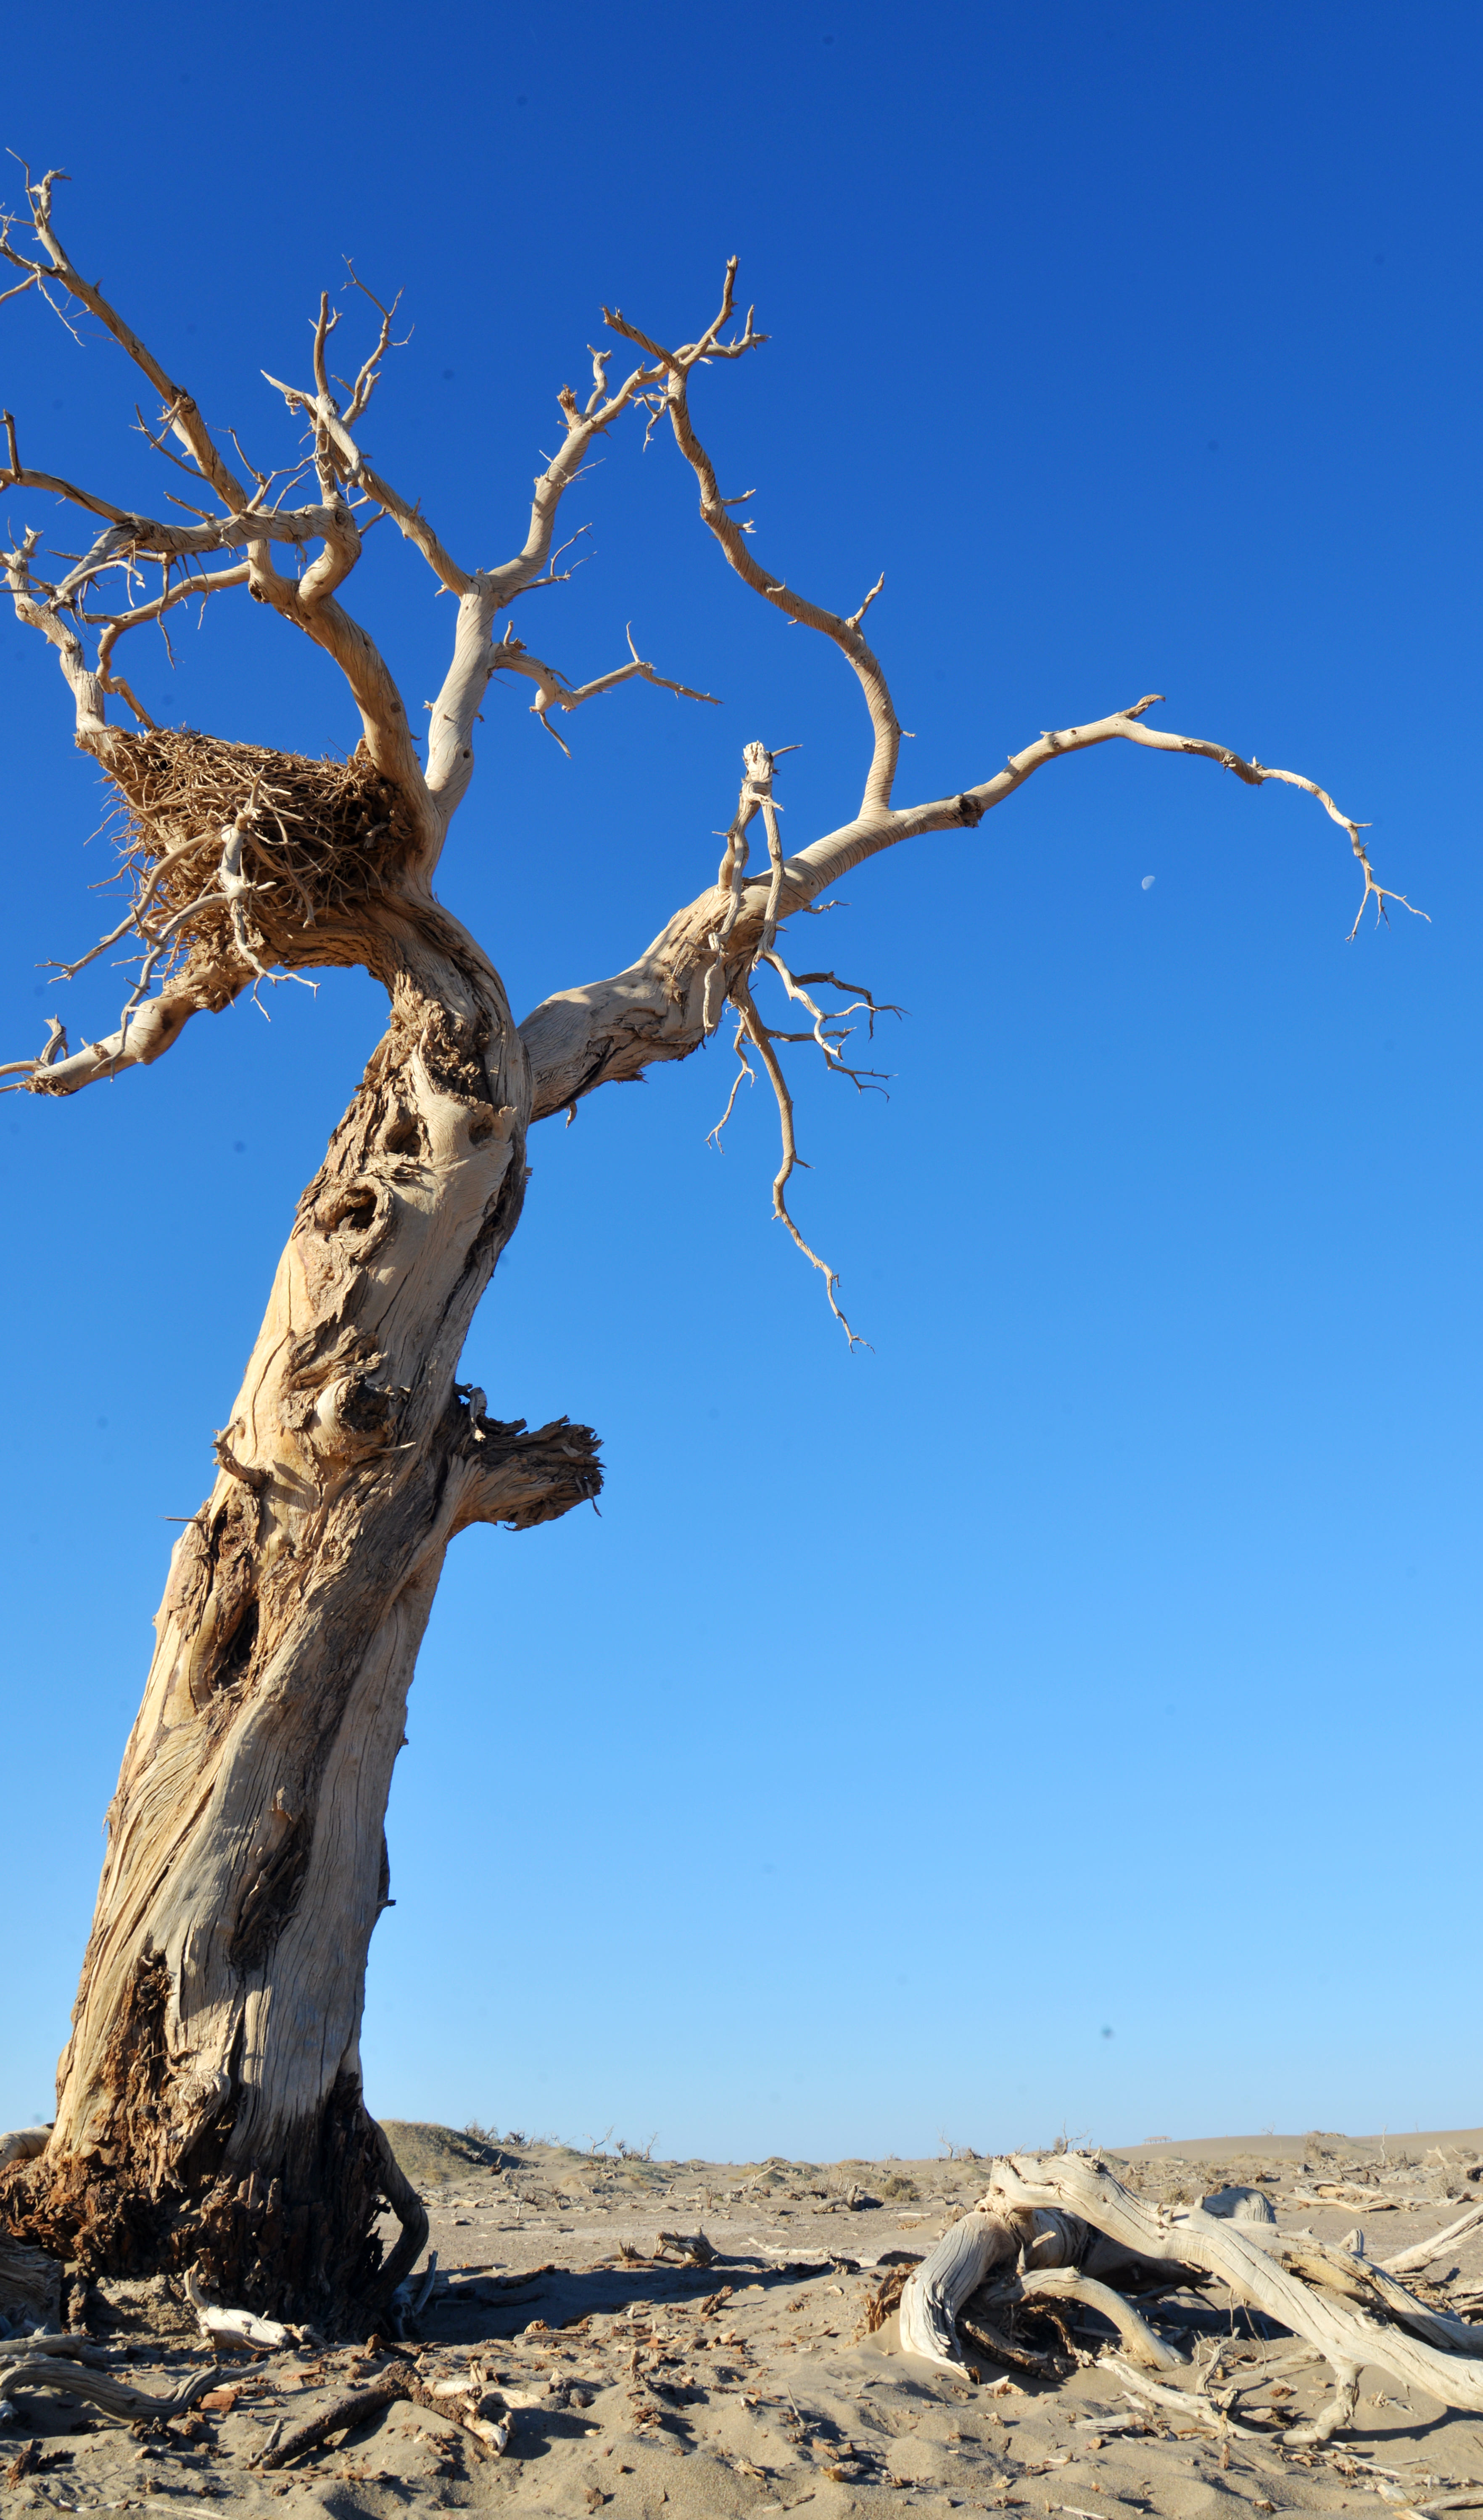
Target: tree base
[(292, 2235)]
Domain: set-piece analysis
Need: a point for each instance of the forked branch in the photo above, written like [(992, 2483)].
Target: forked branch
[(553, 691)]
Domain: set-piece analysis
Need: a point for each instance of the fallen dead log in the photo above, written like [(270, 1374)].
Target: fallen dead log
[(102, 2389), (1410, 2262), (478, 2410), (974, 2322), (692, 2246), (1303, 2295), (1057, 2251), (21, 2349), (1065, 2283), (342, 2415)]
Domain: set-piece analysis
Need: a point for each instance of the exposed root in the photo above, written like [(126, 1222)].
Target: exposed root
[(296, 2234)]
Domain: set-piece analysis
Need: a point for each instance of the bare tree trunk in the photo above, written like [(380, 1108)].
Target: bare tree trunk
[(209, 2103), (209, 2100)]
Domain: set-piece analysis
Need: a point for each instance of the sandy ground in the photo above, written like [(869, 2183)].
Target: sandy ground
[(638, 2384)]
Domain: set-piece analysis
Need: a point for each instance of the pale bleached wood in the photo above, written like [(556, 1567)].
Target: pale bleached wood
[(935, 2291), (1066, 2283), (1347, 2336), (102, 2389), (1411, 2261)]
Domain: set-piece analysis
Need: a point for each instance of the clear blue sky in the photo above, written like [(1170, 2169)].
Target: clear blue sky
[(1099, 1654)]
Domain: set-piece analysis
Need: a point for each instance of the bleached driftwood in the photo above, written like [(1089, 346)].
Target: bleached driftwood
[(935, 2291), (1057, 2253), (81, 2348), (103, 2389), (1354, 2314), (234, 2327), (692, 2246), (1410, 2262)]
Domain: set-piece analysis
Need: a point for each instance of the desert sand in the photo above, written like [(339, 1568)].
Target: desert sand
[(627, 2379)]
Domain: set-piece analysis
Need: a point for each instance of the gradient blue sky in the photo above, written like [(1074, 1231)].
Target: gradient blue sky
[(1067, 1713)]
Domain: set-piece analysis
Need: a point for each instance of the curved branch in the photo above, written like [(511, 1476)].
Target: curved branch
[(611, 1030), (185, 418), (131, 536), (85, 685), (147, 1033), (340, 450), (489, 592), (115, 624), (582, 423), (1068, 2283), (825, 860), (761, 1039), (732, 535), (553, 691)]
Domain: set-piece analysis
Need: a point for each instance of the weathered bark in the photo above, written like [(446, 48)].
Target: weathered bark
[(209, 2102), (210, 2105)]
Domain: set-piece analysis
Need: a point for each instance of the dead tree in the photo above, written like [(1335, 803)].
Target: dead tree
[(210, 2109), (1059, 2226)]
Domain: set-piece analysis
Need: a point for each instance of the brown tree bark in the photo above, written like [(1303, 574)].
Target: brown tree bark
[(209, 2103)]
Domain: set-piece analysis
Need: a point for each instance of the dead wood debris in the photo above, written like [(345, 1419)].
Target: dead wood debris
[(1065, 2215)]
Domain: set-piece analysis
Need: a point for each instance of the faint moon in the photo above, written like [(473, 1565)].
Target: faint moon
[(1149, 883)]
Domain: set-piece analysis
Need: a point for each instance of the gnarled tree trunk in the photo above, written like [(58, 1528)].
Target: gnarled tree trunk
[(210, 2106)]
